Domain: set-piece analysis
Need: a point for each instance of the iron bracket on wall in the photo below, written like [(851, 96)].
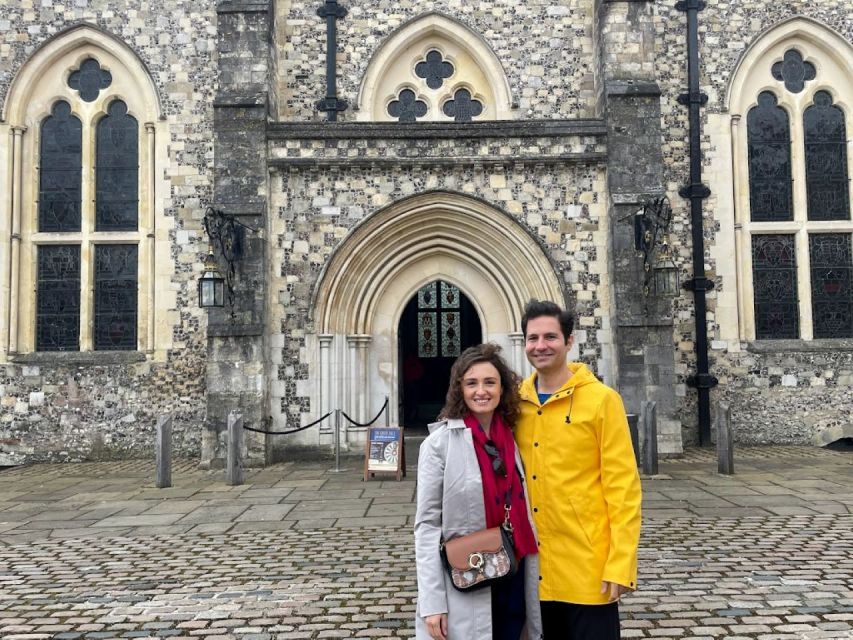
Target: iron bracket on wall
[(686, 5), (698, 284), (698, 97), (331, 11), (702, 381)]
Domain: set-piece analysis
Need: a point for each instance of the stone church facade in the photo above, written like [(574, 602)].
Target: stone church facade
[(481, 154)]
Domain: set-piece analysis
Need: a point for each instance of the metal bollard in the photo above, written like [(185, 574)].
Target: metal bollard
[(649, 450), (633, 427), (234, 467), (163, 451), (387, 412), (725, 442)]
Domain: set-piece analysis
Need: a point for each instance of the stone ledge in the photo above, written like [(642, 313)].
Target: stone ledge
[(66, 358), (632, 88), (396, 130), (568, 158), (243, 6), (825, 345)]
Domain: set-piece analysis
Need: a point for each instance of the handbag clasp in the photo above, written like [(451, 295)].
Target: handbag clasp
[(475, 560)]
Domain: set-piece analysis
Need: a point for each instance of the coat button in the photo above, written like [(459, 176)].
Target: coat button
[(535, 444), (539, 412), (535, 509), (540, 577), (534, 477)]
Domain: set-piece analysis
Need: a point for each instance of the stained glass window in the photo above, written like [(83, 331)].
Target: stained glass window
[(794, 71), (439, 316), (58, 298), (463, 108), (407, 107), (769, 144), (115, 296), (774, 281), (117, 171), (826, 160), (450, 334), (427, 335), (434, 69), (427, 297), (89, 79), (832, 286), (60, 171)]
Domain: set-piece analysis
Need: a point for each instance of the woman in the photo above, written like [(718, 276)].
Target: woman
[(466, 466)]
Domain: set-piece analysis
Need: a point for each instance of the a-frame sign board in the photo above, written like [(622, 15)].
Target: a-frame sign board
[(385, 452)]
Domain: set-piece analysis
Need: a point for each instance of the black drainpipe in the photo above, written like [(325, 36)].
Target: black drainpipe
[(331, 104), (696, 191)]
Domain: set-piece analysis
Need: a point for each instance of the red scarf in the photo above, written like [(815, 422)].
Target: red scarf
[(495, 485)]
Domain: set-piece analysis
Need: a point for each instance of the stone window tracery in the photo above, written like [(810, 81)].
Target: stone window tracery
[(439, 65), (83, 113), (799, 226)]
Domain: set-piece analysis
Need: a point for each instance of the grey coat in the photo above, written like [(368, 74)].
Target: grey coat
[(450, 504)]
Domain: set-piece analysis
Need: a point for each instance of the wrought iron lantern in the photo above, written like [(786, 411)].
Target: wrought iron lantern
[(651, 229), (211, 285)]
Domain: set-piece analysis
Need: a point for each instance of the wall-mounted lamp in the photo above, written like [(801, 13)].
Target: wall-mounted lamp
[(224, 232), (651, 237)]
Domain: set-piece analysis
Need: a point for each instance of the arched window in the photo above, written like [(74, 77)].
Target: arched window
[(793, 223), (83, 199), (434, 69)]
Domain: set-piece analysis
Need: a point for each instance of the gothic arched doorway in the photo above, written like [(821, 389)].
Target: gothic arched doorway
[(438, 323)]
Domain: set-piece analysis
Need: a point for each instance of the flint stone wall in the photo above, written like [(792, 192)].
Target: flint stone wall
[(764, 409), (58, 407)]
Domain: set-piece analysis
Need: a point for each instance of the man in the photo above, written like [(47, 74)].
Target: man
[(582, 477)]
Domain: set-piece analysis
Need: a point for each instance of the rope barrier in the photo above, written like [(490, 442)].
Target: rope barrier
[(284, 433), (359, 424)]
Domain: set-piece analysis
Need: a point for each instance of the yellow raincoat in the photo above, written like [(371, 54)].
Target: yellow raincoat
[(583, 485)]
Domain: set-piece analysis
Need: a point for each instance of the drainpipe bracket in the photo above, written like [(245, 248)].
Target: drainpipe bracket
[(698, 284), (332, 8), (332, 104), (694, 190), (702, 381), (687, 5), (694, 97)]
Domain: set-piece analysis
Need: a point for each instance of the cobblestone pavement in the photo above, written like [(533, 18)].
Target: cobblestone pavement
[(298, 552)]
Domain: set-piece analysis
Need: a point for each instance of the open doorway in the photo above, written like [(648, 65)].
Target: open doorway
[(438, 323)]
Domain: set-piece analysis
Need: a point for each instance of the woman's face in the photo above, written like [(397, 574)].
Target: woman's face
[(481, 389)]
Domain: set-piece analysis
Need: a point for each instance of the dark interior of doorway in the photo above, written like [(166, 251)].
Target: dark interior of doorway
[(424, 378)]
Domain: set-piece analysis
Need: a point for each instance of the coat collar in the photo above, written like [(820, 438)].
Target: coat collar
[(452, 423), (581, 375)]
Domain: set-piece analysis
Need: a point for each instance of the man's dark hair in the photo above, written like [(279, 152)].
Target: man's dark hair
[(539, 308)]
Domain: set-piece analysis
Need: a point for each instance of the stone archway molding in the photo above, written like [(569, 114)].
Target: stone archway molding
[(419, 28), (493, 259), (78, 37), (819, 35)]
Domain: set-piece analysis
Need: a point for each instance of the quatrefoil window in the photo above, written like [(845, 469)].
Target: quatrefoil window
[(794, 71), (407, 107), (434, 69), (463, 108), (90, 79)]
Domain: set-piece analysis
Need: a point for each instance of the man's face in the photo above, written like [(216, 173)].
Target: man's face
[(545, 345)]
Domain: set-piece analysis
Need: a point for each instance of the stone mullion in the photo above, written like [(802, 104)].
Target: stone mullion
[(150, 237), (87, 229), (15, 257)]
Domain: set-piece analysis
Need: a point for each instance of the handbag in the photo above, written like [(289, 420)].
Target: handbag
[(483, 558)]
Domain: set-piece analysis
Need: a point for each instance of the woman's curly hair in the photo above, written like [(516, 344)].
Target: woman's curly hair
[(454, 406)]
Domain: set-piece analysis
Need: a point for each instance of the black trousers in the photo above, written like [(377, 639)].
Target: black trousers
[(567, 621), (508, 607)]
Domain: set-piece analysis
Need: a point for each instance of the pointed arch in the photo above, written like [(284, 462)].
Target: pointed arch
[(834, 48), (79, 41), (463, 240), (416, 38)]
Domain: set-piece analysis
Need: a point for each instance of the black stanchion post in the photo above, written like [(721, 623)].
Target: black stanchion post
[(633, 418)]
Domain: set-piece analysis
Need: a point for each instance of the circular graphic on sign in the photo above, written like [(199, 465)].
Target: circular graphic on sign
[(390, 453)]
